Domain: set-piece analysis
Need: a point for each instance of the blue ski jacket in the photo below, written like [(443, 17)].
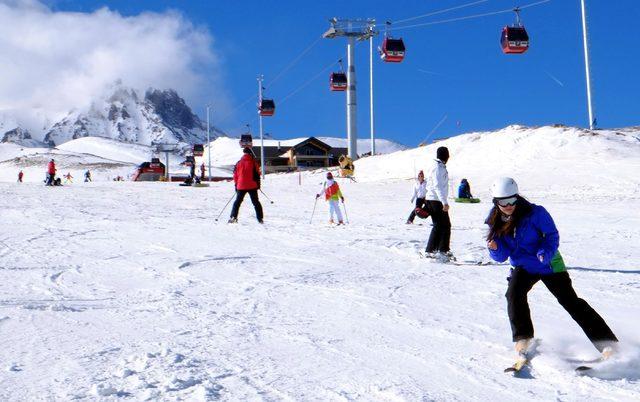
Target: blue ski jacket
[(535, 235)]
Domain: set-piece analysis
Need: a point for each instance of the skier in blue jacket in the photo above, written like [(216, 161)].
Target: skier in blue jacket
[(526, 234)]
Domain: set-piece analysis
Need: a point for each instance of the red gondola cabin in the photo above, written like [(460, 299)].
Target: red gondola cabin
[(514, 40), (267, 107), (338, 82), (149, 171), (246, 141), (392, 50)]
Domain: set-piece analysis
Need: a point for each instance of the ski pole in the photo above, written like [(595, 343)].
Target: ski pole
[(345, 211), (314, 210), (265, 196), (225, 207)]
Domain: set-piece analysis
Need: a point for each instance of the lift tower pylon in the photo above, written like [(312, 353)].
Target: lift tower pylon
[(352, 29)]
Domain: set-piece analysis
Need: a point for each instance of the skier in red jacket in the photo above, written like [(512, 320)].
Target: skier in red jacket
[(246, 176), (51, 172)]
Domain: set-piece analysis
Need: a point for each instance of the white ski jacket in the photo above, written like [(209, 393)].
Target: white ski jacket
[(437, 179), (419, 190)]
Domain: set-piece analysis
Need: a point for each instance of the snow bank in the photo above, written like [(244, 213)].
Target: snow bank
[(567, 162)]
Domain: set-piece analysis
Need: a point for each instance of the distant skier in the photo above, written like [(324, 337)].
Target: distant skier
[(68, 178), (87, 176), (526, 234), (438, 206), (464, 189), (51, 172), (20, 176), (332, 194), (419, 194), (202, 170), (246, 176)]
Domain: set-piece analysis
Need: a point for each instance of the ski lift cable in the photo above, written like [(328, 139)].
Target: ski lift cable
[(293, 62), (510, 10), (315, 77), (235, 109), (278, 76), (439, 12), (434, 129)]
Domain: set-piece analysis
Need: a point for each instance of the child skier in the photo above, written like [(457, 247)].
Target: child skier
[(68, 178), (419, 194), (332, 194)]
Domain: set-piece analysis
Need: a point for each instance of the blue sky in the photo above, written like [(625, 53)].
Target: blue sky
[(452, 69)]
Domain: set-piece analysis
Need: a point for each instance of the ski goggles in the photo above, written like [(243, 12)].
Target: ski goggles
[(506, 202)]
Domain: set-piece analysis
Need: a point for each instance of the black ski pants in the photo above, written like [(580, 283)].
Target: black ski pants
[(253, 194), (441, 232), (420, 203), (559, 284)]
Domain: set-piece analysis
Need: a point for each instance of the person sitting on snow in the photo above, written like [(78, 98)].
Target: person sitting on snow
[(332, 194), (464, 189)]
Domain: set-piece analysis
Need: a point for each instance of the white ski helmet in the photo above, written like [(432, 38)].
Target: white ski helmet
[(504, 187)]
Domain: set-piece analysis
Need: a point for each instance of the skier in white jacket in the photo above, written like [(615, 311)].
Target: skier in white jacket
[(419, 192), (438, 205)]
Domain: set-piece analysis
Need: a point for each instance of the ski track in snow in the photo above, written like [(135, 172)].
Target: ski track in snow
[(132, 290)]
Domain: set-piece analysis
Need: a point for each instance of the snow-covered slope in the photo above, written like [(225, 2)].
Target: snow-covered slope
[(106, 158), (117, 290), (548, 160)]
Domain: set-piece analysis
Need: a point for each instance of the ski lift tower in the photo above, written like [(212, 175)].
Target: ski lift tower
[(167, 149), (352, 29)]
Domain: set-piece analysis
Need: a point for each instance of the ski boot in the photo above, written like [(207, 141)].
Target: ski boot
[(233, 220), (522, 346)]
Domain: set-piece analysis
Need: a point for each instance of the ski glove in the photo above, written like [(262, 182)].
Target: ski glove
[(317, 196), (541, 256), (342, 198)]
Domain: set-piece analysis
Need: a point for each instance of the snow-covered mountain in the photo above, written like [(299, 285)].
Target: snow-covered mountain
[(125, 115)]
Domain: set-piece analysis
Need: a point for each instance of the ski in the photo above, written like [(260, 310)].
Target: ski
[(518, 365)]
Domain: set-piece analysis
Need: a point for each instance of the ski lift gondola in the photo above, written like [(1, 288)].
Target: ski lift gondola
[(392, 50), (267, 107), (246, 141), (514, 39), (338, 81), (198, 149)]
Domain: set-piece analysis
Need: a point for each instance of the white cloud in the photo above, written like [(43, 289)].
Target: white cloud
[(52, 62)]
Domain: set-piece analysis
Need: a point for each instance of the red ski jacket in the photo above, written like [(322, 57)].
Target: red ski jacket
[(246, 174), (51, 168)]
